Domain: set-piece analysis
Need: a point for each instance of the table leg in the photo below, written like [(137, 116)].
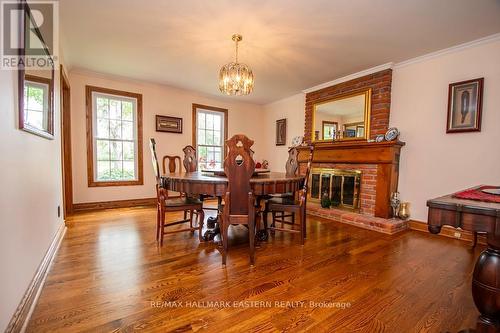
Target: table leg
[(262, 234), (486, 287), (213, 224)]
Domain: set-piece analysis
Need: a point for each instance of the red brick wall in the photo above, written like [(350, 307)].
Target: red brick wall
[(379, 82), (367, 186)]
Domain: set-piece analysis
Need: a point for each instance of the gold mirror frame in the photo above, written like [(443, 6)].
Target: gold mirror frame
[(367, 93)]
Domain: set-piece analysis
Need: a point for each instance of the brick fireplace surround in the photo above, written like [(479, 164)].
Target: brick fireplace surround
[(378, 162)]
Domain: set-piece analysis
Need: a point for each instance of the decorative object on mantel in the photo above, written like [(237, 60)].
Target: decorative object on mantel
[(379, 138), (395, 204), (236, 78), (168, 124), (265, 164), (391, 134), (465, 106), (325, 200), (297, 140), (281, 132), (258, 165), (404, 211)]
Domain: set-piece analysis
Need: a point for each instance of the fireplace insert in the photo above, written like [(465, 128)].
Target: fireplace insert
[(342, 187)]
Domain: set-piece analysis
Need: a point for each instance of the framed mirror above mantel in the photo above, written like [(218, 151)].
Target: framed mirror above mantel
[(343, 117)]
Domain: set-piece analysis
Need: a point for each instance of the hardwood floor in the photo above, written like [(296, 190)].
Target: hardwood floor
[(109, 275)]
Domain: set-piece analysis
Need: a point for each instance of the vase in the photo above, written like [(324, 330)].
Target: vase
[(404, 210)]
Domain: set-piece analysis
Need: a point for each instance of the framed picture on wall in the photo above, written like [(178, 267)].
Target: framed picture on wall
[(168, 124), (465, 106), (281, 132)]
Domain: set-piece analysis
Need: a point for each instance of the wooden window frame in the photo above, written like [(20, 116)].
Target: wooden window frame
[(195, 128), (90, 137)]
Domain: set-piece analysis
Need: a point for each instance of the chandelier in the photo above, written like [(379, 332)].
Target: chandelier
[(236, 78)]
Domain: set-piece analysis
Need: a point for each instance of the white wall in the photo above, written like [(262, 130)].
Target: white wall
[(157, 99), (434, 163), (293, 109), (31, 190)]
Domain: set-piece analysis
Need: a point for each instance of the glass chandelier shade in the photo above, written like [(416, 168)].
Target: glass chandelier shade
[(236, 78)]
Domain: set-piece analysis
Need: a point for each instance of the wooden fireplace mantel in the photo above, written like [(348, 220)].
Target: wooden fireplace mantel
[(385, 155)]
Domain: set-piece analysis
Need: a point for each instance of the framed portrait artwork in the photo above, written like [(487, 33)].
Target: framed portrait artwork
[(168, 124), (464, 106), (281, 132)]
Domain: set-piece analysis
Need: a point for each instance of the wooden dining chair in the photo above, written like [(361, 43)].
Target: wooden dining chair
[(239, 207), (291, 168), (190, 163), (295, 205), (172, 168), (167, 205)]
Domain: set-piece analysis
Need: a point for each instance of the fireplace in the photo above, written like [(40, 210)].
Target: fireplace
[(342, 187)]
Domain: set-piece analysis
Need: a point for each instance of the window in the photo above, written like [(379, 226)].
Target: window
[(329, 130), (209, 136), (37, 104), (114, 137)]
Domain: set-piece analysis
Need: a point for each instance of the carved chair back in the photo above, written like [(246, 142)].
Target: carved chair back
[(172, 165), (305, 187), (292, 164), (190, 162), (161, 191), (239, 167)]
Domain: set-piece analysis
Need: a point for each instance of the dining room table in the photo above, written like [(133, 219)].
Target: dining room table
[(215, 184)]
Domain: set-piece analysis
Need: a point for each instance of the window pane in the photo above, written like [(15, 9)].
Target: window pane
[(210, 137), (103, 128), (201, 137), (115, 129), (128, 170), (102, 107), (128, 151), (217, 139), (217, 122), (127, 111), (115, 109), (201, 120), (127, 130), (103, 150), (210, 121), (34, 118), (116, 151), (103, 171), (116, 170), (35, 98)]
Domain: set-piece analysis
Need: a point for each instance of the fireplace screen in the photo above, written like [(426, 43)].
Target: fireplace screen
[(342, 186)]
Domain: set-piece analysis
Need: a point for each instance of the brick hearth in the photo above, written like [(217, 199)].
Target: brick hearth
[(386, 226)]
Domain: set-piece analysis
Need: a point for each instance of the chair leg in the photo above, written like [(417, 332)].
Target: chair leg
[(251, 236), (293, 218), (282, 219), (162, 224), (191, 221), (225, 227), (185, 214), (303, 223), (201, 220), (157, 223), (302, 229), (273, 223)]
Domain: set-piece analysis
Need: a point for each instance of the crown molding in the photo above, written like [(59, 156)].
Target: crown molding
[(350, 77), (452, 49)]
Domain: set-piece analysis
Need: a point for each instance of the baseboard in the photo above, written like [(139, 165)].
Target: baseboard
[(86, 206), (448, 231), (19, 320)]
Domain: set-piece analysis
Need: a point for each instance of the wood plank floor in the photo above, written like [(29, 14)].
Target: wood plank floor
[(109, 275)]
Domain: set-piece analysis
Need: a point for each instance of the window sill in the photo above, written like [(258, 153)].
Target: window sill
[(116, 183)]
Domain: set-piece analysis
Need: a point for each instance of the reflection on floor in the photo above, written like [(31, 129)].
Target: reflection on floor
[(109, 274)]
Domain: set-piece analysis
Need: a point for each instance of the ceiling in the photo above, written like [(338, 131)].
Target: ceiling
[(290, 45)]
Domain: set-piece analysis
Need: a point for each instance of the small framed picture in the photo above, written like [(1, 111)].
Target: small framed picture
[(168, 124), (465, 106), (281, 132)]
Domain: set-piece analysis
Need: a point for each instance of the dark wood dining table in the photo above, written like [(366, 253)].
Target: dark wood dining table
[(209, 184)]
